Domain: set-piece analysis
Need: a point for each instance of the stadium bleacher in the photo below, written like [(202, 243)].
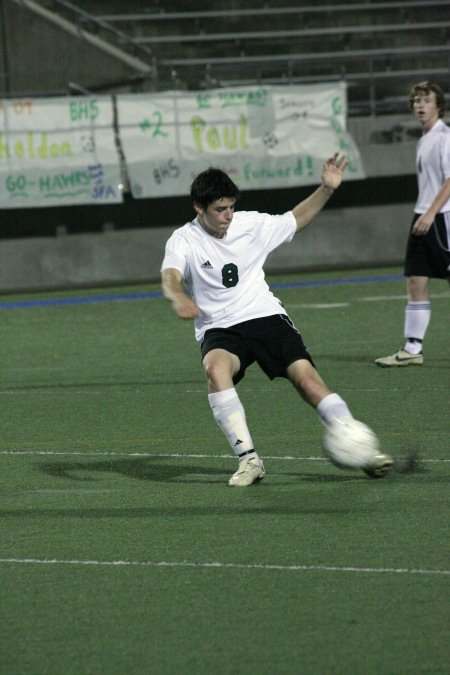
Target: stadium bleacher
[(377, 47)]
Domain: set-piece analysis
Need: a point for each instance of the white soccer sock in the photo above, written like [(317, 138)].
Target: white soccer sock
[(417, 318), (331, 407), (229, 414)]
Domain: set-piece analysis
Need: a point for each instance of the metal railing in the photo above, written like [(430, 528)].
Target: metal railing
[(267, 11)]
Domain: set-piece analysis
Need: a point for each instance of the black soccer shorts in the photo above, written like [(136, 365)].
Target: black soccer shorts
[(272, 341), (428, 255)]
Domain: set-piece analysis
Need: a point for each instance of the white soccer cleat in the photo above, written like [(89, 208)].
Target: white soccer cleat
[(250, 470), (400, 358), (382, 464)]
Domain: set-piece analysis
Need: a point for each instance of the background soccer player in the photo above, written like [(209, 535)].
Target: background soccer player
[(428, 248)]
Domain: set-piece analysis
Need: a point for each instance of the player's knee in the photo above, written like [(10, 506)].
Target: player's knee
[(217, 371), (417, 288), (211, 369)]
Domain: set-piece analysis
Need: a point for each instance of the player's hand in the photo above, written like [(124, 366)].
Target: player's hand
[(333, 170), (184, 307), (422, 224)]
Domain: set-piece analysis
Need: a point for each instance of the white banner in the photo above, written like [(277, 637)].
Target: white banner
[(263, 137), (62, 151), (58, 151)]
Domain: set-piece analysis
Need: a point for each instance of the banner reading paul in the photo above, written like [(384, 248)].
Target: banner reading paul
[(263, 137)]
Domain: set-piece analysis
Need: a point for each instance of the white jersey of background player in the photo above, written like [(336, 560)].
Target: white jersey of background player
[(220, 257)]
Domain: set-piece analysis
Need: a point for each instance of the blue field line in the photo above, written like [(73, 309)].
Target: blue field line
[(82, 300), (124, 297)]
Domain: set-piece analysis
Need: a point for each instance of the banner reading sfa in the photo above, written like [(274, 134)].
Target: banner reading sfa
[(64, 150), (58, 151)]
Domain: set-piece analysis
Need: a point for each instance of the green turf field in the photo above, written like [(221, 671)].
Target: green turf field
[(123, 549)]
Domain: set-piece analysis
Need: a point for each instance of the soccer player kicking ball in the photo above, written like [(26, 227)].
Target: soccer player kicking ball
[(219, 256), (428, 248)]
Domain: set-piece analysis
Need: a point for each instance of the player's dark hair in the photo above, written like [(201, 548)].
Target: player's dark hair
[(426, 87), (212, 184)]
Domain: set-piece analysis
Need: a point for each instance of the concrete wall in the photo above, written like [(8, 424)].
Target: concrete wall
[(338, 238)]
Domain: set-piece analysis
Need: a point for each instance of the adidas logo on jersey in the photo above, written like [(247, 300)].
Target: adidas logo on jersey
[(207, 265)]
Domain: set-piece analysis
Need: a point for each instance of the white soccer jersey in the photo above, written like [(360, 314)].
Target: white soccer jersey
[(225, 276), (433, 166)]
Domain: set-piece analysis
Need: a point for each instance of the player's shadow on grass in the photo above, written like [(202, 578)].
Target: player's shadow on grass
[(147, 469), (100, 385), (153, 469)]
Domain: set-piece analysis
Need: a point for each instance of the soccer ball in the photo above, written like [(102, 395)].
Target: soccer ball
[(351, 444)]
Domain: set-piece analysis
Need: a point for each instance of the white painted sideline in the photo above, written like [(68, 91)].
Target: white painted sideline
[(222, 565), (174, 455)]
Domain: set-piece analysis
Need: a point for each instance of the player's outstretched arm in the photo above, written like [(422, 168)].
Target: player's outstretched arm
[(172, 287), (331, 177)]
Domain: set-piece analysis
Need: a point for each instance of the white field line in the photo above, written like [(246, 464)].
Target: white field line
[(382, 298), (174, 455), (321, 305), (368, 298), (97, 389), (222, 565)]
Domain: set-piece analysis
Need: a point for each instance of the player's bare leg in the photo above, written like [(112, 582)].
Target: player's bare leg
[(417, 288), (313, 390), (220, 367), (308, 382)]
